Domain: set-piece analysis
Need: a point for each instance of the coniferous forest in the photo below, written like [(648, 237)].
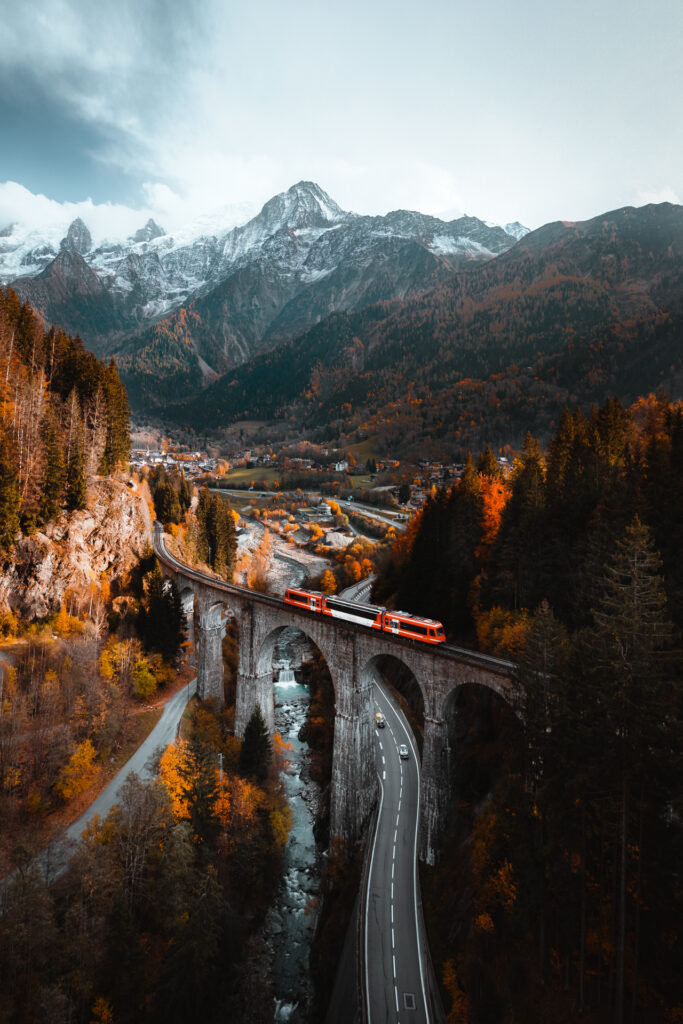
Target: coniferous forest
[(64, 419), (558, 891)]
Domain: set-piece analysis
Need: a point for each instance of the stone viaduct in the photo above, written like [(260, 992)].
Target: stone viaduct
[(351, 654)]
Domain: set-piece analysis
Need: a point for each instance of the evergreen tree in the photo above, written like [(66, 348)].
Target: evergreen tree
[(256, 752), (76, 491), (487, 463), (54, 476), (184, 493), (161, 623), (634, 703), (217, 536), (117, 441), (10, 498), (166, 504)]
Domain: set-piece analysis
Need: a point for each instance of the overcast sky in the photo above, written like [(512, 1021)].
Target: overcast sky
[(529, 110)]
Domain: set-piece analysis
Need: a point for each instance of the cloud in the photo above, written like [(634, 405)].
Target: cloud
[(116, 221), (660, 195), (39, 213)]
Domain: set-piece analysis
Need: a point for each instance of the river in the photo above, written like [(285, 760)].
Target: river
[(290, 924)]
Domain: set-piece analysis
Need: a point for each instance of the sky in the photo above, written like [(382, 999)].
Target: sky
[(532, 111)]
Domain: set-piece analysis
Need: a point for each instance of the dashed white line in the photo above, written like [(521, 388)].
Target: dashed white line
[(393, 939), (384, 760), (396, 994), (384, 775), (394, 959), (392, 913)]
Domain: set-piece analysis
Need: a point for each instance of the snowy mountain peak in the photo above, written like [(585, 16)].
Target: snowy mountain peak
[(516, 229), (304, 205), (77, 238), (151, 230)]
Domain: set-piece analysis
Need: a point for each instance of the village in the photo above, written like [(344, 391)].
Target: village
[(351, 473)]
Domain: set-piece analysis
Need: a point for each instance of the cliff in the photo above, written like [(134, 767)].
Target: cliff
[(108, 536)]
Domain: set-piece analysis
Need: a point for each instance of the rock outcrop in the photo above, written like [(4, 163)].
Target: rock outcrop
[(76, 550)]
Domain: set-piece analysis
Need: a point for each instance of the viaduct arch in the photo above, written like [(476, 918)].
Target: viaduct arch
[(350, 652)]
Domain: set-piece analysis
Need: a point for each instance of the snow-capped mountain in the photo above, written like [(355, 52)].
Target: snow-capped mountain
[(248, 287)]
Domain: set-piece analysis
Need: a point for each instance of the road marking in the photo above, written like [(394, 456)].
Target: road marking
[(392, 869), (384, 760), (417, 819), (367, 896), (394, 959), (384, 775), (396, 994), (393, 940), (380, 745), (392, 913), (395, 834)]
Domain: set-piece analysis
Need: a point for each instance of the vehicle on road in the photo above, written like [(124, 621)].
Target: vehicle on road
[(380, 720), (404, 624), (403, 752)]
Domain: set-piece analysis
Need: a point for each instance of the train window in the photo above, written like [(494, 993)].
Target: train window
[(414, 627)]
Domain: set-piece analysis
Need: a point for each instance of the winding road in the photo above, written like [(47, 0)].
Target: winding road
[(395, 970)]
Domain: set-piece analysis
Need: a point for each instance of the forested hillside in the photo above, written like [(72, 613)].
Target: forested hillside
[(63, 419), (572, 313), (558, 891)]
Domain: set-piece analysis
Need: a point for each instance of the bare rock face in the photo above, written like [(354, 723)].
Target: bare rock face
[(72, 553)]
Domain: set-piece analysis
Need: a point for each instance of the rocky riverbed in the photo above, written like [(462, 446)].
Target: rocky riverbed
[(290, 925)]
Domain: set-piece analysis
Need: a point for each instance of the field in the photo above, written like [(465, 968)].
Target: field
[(259, 474)]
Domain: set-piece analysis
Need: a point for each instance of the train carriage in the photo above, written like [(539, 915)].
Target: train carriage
[(429, 631), (353, 611), (412, 627), (308, 600)]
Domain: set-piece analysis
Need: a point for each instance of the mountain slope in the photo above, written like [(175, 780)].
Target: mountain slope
[(178, 312), (572, 312)]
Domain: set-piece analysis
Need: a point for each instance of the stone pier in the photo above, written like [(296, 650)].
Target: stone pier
[(210, 652), (434, 786), (354, 779)]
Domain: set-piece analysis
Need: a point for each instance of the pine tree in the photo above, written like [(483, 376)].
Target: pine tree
[(487, 463), (256, 752), (9, 497), (76, 491), (117, 440), (54, 477), (161, 622), (630, 656)]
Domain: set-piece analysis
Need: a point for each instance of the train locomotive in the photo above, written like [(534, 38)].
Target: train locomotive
[(413, 627)]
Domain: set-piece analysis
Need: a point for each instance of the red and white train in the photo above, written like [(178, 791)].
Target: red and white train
[(413, 627)]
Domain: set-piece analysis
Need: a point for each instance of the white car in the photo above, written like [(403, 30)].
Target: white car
[(403, 752)]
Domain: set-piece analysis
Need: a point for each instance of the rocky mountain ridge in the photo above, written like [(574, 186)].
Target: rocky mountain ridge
[(227, 296), (573, 313)]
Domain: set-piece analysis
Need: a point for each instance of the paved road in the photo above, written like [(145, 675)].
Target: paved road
[(359, 591), (347, 506), (55, 857), (395, 975)]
